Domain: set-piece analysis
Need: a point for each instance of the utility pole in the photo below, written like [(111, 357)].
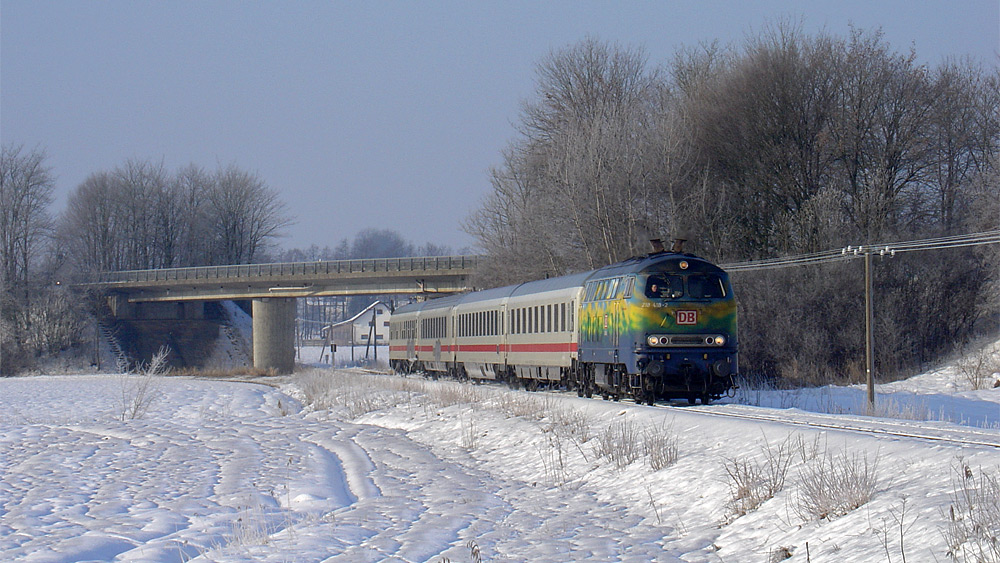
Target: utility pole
[(867, 251), (869, 339)]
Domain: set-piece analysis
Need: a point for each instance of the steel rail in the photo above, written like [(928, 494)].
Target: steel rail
[(839, 427)]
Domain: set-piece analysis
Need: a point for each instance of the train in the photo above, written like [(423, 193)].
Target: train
[(660, 326)]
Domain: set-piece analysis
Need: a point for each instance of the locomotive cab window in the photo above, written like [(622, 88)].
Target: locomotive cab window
[(706, 287), (664, 286)]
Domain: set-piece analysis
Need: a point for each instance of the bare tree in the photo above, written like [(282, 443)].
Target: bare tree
[(193, 185), (883, 110), (573, 191), (245, 215), (91, 226), (380, 243), (149, 225), (760, 127), (26, 185)]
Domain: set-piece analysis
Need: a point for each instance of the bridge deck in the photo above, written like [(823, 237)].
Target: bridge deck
[(433, 274)]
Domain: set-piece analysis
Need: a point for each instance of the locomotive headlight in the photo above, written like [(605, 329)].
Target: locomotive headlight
[(652, 340), (720, 340)]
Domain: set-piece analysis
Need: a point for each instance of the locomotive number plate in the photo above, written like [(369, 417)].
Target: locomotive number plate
[(687, 317)]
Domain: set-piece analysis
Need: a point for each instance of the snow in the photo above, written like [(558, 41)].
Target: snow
[(340, 465), (376, 357)]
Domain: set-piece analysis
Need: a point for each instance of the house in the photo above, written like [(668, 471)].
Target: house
[(358, 329)]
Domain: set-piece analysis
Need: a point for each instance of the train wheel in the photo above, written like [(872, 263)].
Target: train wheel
[(706, 399), (692, 400)]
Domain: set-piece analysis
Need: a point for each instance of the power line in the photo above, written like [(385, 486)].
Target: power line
[(866, 252), (852, 252)]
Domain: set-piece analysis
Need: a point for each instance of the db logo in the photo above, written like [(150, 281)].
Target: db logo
[(687, 317)]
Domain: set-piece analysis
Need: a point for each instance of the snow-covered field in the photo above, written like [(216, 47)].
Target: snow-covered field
[(346, 466)]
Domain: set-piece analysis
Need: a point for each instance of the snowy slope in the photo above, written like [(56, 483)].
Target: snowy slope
[(344, 466)]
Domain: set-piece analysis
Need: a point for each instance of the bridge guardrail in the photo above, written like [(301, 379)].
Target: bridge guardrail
[(326, 267)]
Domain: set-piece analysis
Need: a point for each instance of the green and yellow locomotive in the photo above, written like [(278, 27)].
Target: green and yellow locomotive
[(660, 326)]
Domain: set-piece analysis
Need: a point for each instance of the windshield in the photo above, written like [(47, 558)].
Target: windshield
[(706, 287), (664, 286), (699, 286)]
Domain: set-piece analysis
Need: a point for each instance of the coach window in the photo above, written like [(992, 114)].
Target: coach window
[(629, 283)]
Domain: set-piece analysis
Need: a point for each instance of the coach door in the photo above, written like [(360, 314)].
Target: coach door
[(502, 326)]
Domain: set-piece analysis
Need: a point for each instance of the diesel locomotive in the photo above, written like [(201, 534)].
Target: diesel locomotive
[(659, 326)]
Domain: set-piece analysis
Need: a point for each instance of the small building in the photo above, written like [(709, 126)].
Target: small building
[(357, 330)]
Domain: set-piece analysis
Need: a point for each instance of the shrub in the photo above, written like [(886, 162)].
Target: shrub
[(973, 532), (619, 443), (138, 390), (980, 369), (833, 485), (659, 445), (753, 482)]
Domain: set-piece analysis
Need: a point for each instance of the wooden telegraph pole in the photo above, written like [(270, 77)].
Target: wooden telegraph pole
[(869, 338)]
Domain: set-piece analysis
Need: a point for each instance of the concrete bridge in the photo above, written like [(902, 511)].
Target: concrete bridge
[(180, 293)]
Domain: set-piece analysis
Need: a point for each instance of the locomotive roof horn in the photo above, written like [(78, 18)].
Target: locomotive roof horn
[(678, 245), (657, 245)]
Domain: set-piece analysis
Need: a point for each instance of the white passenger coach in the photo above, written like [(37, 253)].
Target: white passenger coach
[(525, 331)]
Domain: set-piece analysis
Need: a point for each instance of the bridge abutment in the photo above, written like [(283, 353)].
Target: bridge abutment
[(274, 334)]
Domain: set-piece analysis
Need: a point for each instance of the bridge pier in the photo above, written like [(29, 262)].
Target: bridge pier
[(274, 333)]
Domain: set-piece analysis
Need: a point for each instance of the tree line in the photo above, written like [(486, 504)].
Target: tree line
[(135, 216), (787, 143), (138, 215)]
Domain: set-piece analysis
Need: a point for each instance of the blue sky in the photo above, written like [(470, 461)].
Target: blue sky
[(361, 114)]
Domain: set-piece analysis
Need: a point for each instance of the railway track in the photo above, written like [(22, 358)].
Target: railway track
[(966, 436)]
